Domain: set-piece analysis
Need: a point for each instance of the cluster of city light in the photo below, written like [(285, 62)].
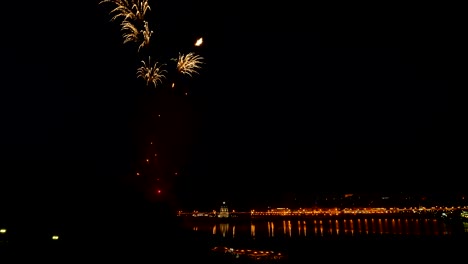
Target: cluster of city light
[(336, 211), (464, 213), (251, 253), (333, 211)]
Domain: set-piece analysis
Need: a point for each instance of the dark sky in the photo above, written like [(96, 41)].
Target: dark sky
[(292, 99)]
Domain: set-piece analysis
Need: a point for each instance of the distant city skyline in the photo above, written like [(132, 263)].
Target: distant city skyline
[(343, 200)]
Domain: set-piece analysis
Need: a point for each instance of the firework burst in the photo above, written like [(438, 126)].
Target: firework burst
[(189, 63), (146, 32), (140, 8), (128, 9), (123, 9), (129, 31), (151, 73)]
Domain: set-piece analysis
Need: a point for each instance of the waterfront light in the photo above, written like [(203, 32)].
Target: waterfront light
[(3, 231), (55, 237)]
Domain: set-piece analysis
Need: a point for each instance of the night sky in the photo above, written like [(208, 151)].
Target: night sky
[(291, 100)]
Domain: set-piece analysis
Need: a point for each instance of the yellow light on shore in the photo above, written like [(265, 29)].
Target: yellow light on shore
[(3, 231), (55, 237)]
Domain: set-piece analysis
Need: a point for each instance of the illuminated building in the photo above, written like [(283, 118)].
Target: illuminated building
[(223, 212), (464, 215)]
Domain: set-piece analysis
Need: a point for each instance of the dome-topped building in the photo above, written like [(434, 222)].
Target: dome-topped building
[(223, 212)]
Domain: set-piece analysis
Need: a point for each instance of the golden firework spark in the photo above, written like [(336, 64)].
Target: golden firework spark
[(151, 73), (146, 36), (140, 7), (123, 9), (199, 42), (128, 9), (189, 63), (130, 32)]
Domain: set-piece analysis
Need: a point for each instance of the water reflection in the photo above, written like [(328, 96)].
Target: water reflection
[(321, 228), (252, 230), (337, 227), (224, 227), (305, 228), (329, 228), (366, 226), (299, 227)]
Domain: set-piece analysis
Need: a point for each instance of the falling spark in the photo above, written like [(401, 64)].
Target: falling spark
[(128, 9), (130, 32), (146, 36), (189, 63), (199, 42), (132, 11), (141, 7), (122, 9), (151, 73)]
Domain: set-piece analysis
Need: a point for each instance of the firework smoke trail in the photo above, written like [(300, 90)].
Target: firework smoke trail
[(151, 73), (189, 63)]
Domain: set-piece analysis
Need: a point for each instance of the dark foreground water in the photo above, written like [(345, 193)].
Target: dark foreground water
[(361, 239), (335, 240)]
